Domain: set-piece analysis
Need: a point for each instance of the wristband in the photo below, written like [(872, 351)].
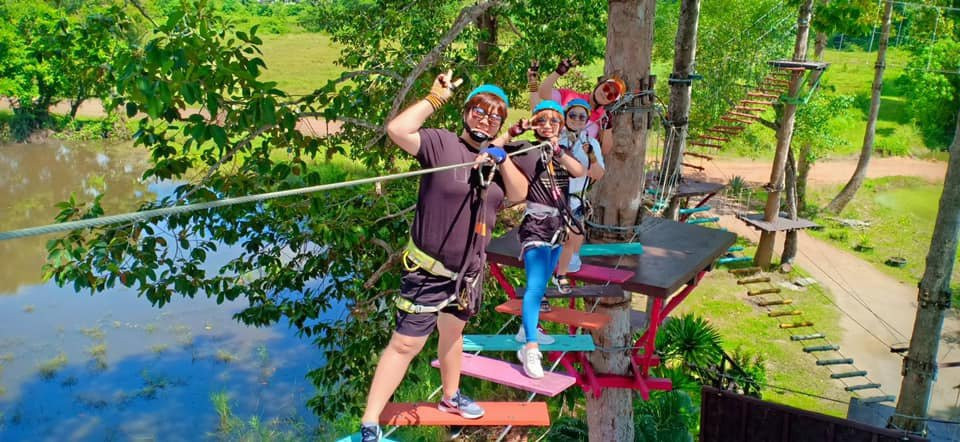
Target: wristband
[(533, 86), (435, 100)]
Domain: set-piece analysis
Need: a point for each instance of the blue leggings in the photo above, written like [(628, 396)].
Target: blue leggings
[(539, 263)]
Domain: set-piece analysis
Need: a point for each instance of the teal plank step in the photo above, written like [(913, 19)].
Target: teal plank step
[(734, 259), (835, 361), (814, 348), (877, 399), (473, 343), (703, 220), (690, 210), (807, 337), (861, 387), (849, 374), (616, 249), (735, 249)]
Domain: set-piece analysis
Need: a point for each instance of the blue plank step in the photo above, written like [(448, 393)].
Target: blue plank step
[(473, 343), (694, 210)]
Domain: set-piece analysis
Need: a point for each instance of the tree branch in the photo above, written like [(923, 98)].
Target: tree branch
[(384, 268), (394, 215), (770, 124), (136, 4)]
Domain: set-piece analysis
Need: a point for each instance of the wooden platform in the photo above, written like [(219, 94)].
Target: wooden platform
[(781, 224), (511, 375), (576, 318), (691, 187), (790, 64), (474, 343), (520, 414)]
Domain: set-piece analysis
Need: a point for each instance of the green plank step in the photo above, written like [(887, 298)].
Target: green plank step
[(848, 374), (785, 313), (735, 249), (861, 387), (473, 343), (775, 302), (733, 259), (797, 324), (841, 361), (695, 210), (703, 220), (746, 271), (754, 280), (807, 337), (814, 348), (877, 399), (763, 292), (355, 437)]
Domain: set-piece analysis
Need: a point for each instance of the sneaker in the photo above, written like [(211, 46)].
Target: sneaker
[(541, 338), (370, 433), (575, 264), (563, 284), (530, 358), (462, 405)]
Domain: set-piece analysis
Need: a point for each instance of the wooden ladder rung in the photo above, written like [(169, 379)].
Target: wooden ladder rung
[(699, 155), (841, 361), (768, 103), (715, 146), (754, 280), (746, 271), (785, 313), (709, 137), (694, 167), (763, 292), (816, 348), (861, 387), (776, 302), (877, 399), (809, 337), (797, 324), (741, 114), (760, 94), (735, 120), (749, 109), (776, 81), (848, 374)]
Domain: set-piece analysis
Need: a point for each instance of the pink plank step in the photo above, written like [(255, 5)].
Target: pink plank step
[(599, 274), (511, 375), (497, 414)]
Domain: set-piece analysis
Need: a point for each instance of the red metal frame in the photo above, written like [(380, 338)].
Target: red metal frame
[(640, 362)]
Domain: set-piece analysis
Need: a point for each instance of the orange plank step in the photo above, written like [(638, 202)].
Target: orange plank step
[(561, 315), (768, 103), (760, 94), (715, 146), (741, 114), (496, 414), (736, 120), (698, 168), (697, 155)]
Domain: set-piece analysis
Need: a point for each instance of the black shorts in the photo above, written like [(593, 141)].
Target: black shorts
[(540, 230), (423, 288)]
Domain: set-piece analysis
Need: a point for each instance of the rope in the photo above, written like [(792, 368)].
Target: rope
[(167, 211)]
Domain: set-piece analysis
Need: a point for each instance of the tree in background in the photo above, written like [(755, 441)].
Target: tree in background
[(932, 81)]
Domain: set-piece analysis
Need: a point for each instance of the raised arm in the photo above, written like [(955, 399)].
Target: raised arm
[(404, 129), (546, 88)]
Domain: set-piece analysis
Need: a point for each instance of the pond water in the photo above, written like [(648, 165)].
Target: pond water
[(110, 366)]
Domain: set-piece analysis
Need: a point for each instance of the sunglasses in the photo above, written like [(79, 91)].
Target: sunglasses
[(479, 113), (544, 120), (610, 91), (577, 116)]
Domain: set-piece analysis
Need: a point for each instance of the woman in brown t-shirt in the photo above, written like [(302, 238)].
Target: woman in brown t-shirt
[(451, 229)]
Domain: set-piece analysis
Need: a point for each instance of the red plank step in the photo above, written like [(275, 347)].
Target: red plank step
[(576, 318), (497, 414), (511, 375)]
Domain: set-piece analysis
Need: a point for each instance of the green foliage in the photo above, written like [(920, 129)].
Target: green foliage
[(689, 340), (812, 125), (669, 416), (932, 81)]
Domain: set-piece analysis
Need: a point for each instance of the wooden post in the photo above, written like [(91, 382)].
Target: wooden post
[(685, 53), (920, 363), (610, 416), (784, 136)]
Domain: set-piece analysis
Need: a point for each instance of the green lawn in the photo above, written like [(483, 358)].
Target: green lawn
[(300, 63)]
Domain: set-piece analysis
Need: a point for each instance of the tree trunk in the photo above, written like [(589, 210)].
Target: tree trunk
[(920, 365), (610, 416), (487, 23), (784, 136), (75, 106), (860, 173), (678, 111), (803, 172), (819, 45), (629, 45), (790, 245)]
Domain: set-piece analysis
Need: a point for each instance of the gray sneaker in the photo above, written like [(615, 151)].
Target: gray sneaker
[(462, 405), (370, 433)]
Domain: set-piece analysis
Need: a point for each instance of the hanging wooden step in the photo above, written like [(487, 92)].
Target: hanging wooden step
[(698, 155), (475, 343), (763, 291), (727, 130), (761, 95), (746, 271), (776, 81), (737, 128), (497, 414), (715, 146), (878, 399), (743, 115), (735, 120), (807, 337), (694, 167), (848, 374), (703, 220), (576, 318), (800, 324), (689, 210), (768, 103), (749, 109), (861, 387), (585, 291), (841, 361), (785, 313), (708, 137), (766, 89), (512, 375), (754, 280), (775, 302), (816, 348)]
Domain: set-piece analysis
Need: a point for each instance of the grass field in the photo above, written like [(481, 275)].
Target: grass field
[(301, 62)]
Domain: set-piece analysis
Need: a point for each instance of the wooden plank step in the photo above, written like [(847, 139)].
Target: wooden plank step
[(703, 220), (473, 343), (763, 291), (694, 167), (770, 90), (725, 131), (733, 259), (576, 318), (497, 414), (735, 120), (848, 374), (749, 109), (715, 146), (736, 128), (689, 210), (761, 95), (815, 348), (785, 313), (861, 387), (807, 337), (746, 271), (698, 155), (589, 272), (768, 103), (878, 399), (796, 324), (511, 375), (734, 249), (708, 137), (611, 249), (776, 81), (587, 291), (743, 115), (775, 302), (841, 361), (754, 280)]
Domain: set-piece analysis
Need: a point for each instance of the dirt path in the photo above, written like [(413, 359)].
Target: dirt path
[(836, 171), (848, 277)]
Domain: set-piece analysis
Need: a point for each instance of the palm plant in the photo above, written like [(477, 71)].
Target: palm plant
[(689, 341)]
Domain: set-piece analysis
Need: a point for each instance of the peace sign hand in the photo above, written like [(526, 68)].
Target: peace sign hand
[(444, 85)]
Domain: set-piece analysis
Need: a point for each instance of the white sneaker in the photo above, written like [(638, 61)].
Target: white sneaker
[(541, 338), (531, 362), (575, 263)]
